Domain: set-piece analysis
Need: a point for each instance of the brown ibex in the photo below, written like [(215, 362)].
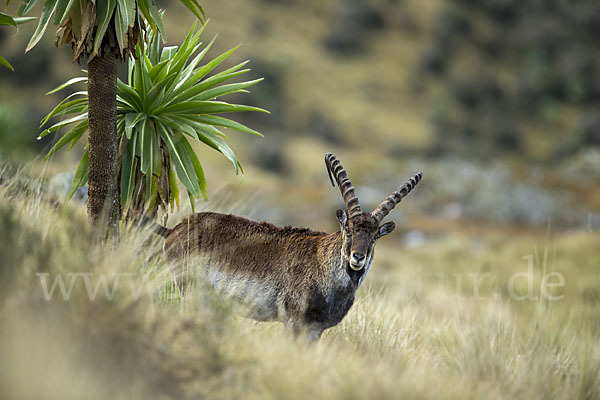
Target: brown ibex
[(305, 279)]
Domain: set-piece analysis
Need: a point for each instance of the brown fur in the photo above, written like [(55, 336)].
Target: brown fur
[(301, 269)]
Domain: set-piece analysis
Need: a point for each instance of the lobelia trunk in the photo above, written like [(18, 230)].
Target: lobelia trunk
[(103, 202)]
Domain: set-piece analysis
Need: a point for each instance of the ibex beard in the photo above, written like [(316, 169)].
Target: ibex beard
[(303, 278)]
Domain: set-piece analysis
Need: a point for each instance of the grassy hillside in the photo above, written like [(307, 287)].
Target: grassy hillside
[(414, 332)]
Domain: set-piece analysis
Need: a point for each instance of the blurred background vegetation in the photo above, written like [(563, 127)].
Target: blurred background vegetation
[(495, 101)]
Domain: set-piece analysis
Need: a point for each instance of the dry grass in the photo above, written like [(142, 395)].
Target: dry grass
[(408, 336)]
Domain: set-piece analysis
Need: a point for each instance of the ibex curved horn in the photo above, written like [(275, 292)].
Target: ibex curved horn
[(388, 204), (335, 167)]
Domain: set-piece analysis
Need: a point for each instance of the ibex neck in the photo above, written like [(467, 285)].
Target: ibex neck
[(332, 248), (339, 269)]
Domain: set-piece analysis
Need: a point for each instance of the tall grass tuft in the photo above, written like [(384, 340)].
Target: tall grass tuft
[(403, 338)]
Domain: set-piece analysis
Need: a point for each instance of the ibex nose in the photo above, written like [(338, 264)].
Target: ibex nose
[(358, 261), (358, 257)]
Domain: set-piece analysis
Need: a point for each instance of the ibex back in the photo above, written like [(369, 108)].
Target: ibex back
[(305, 279)]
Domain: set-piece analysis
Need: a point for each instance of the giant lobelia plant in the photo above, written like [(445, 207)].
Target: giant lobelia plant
[(168, 103), (101, 32)]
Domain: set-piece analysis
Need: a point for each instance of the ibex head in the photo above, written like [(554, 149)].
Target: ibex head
[(361, 230)]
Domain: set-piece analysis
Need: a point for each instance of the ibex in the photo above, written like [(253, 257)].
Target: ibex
[(305, 279)]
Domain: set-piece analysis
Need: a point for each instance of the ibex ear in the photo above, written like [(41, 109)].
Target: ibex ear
[(386, 228), (342, 217)]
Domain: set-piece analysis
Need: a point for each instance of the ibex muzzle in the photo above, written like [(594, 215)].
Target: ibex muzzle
[(305, 279)]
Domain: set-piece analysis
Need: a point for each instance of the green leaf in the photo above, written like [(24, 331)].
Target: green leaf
[(159, 71), (130, 68), (179, 124), (192, 199), (157, 19), (84, 127), (200, 126), (76, 15), (23, 20), (73, 107), (189, 47), (182, 79), (73, 135), (186, 43), (131, 120), (147, 63), (124, 108), (197, 168), (228, 123), (146, 76), (195, 8), (204, 70), (206, 107), (129, 95), (146, 132), (183, 164), (104, 12), (234, 69), (225, 89), (150, 155), (6, 63), (154, 49), (64, 104), (65, 122), (62, 11), (153, 95), (208, 128), (120, 29), (127, 10), (219, 144), (143, 6), (157, 156), (26, 6), (139, 77), (128, 167), (81, 175), (173, 187), (47, 11), (151, 191), (168, 53), (198, 89), (120, 127), (176, 68), (68, 83), (6, 19)]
